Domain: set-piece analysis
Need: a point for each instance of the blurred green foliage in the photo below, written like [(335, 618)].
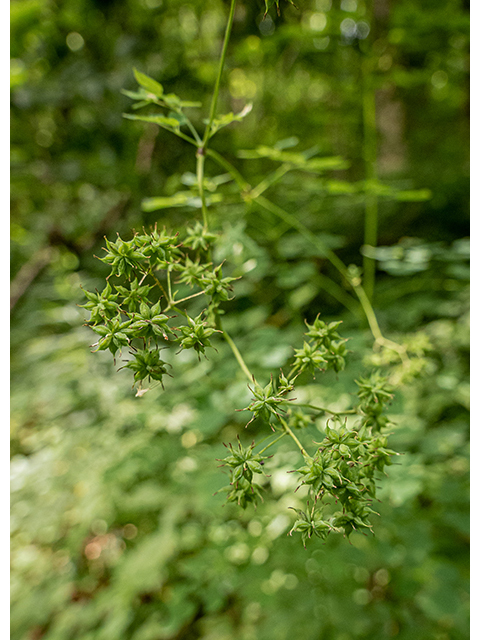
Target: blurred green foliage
[(116, 531)]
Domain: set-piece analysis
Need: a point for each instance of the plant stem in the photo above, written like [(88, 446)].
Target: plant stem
[(292, 371), (248, 195), (294, 437), (169, 285), (173, 304), (339, 293), (300, 227), (370, 158), (213, 105), (371, 214), (182, 135), (328, 253), (368, 310), (228, 166), (159, 284), (334, 413), (270, 180), (282, 435), (201, 154), (340, 266), (194, 131), (194, 295), (178, 310), (293, 222), (200, 175), (235, 351)]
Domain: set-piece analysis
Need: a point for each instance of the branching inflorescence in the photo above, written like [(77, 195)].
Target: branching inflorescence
[(143, 310), (124, 317)]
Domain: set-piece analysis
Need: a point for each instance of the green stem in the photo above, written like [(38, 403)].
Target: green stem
[(334, 413), (374, 327), (194, 295), (248, 195), (159, 284), (235, 351), (340, 266), (213, 105), (306, 233), (270, 180), (182, 135), (330, 255), (173, 304), (370, 158), (225, 164), (282, 435), (368, 310), (200, 175), (202, 150), (180, 311), (294, 437), (194, 132), (169, 285), (293, 370), (337, 292)]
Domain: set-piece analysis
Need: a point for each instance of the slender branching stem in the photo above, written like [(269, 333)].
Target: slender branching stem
[(180, 311), (306, 233), (270, 180), (213, 105), (323, 409), (255, 195), (169, 284), (194, 295), (293, 371), (380, 340), (293, 436), (233, 171), (235, 351), (182, 135), (172, 304), (363, 298), (282, 435), (201, 186), (194, 132), (342, 268), (370, 160), (159, 285)]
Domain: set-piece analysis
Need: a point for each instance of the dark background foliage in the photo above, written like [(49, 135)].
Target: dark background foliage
[(116, 532)]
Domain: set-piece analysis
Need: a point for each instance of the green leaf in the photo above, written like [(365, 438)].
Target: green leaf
[(178, 200), (228, 118), (142, 103), (147, 95), (326, 164), (179, 117), (287, 143), (135, 95), (148, 83), (298, 160), (163, 121), (417, 195), (177, 104)]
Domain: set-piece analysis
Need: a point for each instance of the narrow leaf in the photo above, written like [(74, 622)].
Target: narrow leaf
[(163, 121), (228, 118), (153, 204), (148, 83), (413, 196)]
